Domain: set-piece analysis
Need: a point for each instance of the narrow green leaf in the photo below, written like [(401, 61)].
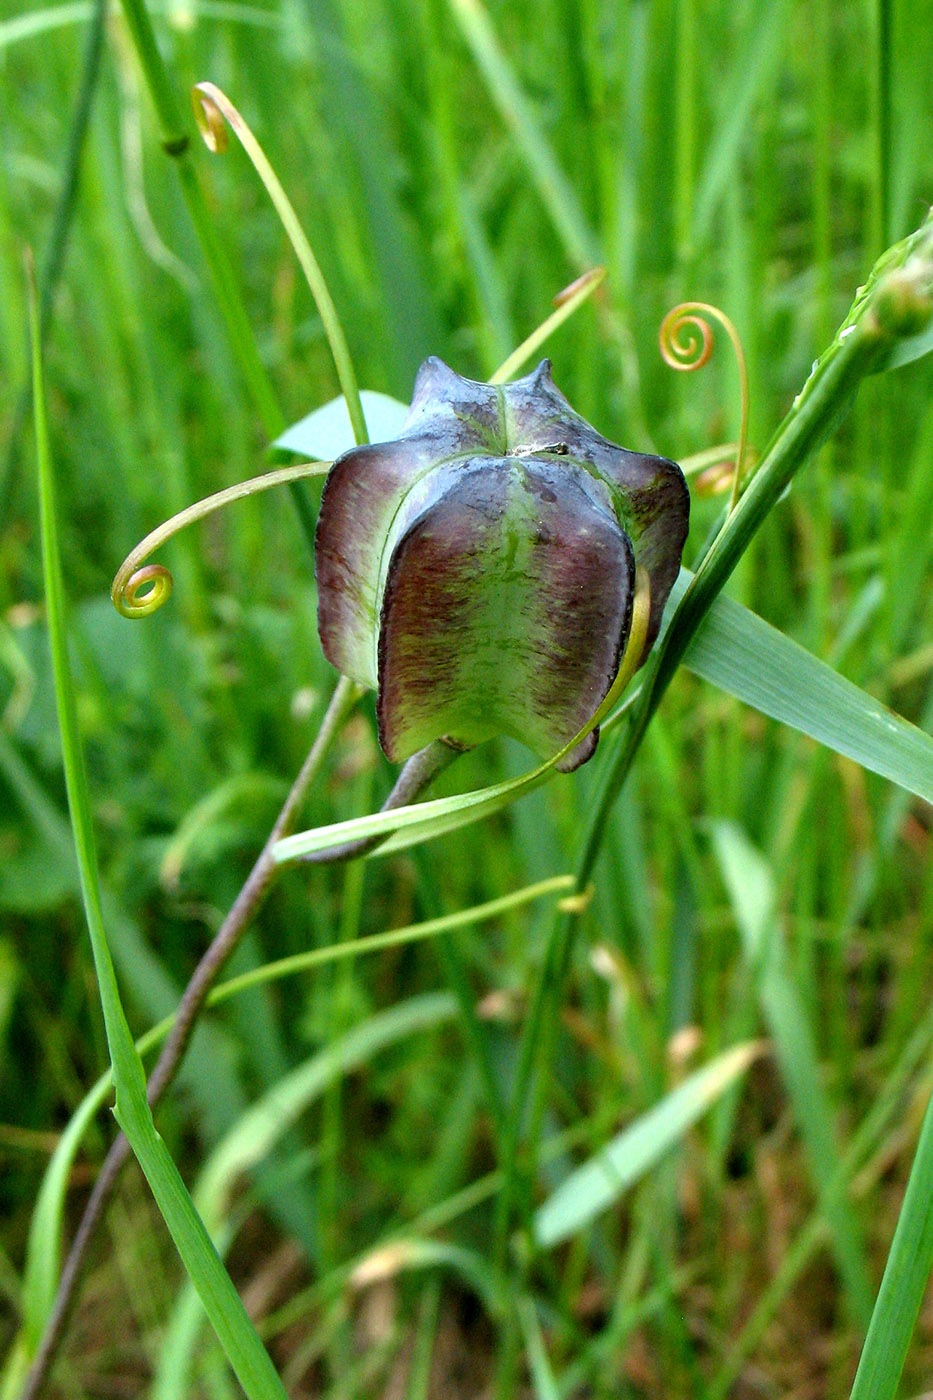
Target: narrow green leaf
[(42, 1257), (751, 891), (904, 1283), (598, 1183), (45, 1228), (252, 1139), (747, 657), (410, 1253), (539, 1364), (245, 1351), (34, 22)]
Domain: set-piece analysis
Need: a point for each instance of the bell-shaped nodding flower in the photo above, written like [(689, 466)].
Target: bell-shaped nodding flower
[(479, 571)]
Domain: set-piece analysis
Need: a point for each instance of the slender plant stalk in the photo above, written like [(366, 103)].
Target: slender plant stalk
[(565, 304), (897, 297), (246, 1353), (51, 1194), (176, 143), (241, 915), (417, 774)]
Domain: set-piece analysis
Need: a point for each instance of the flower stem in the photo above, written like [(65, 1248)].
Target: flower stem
[(881, 317), (243, 911)]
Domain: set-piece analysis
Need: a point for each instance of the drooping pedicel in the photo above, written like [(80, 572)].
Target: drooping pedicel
[(479, 571)]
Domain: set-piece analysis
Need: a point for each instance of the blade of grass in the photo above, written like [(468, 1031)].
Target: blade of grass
[(747, 657), (753, 897), (254, 1137), (27, 26), (539, 1364), (54, 259), (904, 1283), (593, 1187), (246, 1354), (888, 1104), (42, 1260), (175, 143), (557, 194), (212, 107)]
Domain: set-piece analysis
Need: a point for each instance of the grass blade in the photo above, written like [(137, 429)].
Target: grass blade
[(42, 1257), (904, 1282), (598, 1183), (255, 1136), (539, 1364), (751, 891), (245, 1351), (557, 194), (747, 657)]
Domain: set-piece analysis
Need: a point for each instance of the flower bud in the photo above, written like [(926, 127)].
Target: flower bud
[(479, 570)]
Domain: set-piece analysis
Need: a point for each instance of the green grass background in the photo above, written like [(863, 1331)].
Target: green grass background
[(758, 155)]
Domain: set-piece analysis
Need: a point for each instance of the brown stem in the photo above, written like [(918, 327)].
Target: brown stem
[(241, 915), (418, 773)]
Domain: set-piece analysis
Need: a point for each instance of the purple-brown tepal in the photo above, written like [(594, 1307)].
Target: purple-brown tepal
[(478, 572)]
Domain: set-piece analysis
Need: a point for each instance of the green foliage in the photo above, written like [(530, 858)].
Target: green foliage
[(455, 165)]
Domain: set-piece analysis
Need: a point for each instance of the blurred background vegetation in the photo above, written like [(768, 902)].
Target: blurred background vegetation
[(453, 173)]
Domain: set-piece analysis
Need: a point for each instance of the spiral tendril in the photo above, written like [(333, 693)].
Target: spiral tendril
[(693, 352), (134, 573)]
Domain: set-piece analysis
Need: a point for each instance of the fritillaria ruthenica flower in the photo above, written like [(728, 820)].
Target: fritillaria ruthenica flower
[(478, 571)]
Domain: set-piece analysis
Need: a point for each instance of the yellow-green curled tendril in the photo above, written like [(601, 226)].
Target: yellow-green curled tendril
[(134, 573), (694, 351), (212, 109)]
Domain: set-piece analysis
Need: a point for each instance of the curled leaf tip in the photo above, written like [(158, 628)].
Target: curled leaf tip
[(691, 350), (686, 340), (134, 573), (208, 104), (126, 596), (586, 282)]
